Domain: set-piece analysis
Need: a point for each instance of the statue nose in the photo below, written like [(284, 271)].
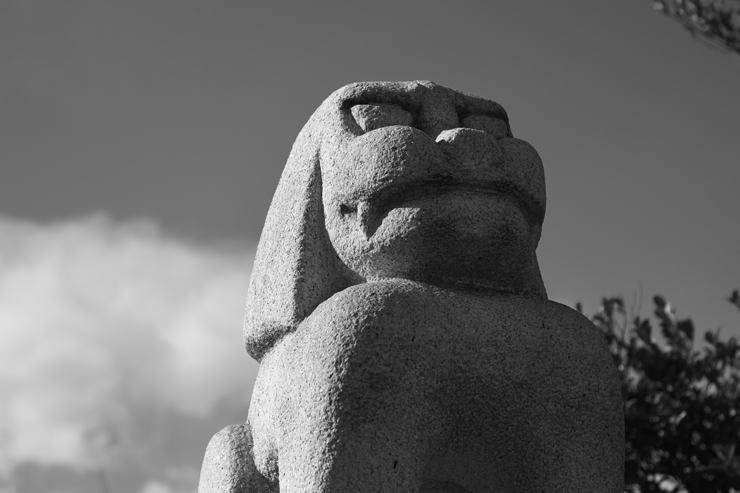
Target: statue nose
[(470, 148)]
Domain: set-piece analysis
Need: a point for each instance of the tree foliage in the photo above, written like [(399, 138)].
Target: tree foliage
[(682, 407), (715, 21)]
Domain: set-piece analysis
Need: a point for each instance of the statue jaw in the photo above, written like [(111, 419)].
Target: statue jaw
[(370, 212), (464, 237)]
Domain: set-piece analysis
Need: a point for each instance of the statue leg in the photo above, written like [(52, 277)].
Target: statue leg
[(339, 450), (228, 465), (343, 420)]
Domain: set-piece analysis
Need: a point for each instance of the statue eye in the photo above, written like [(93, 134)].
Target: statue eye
[(372, 116), (493, 126)]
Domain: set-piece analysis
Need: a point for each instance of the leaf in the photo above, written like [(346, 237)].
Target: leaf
[(674, 420), (644, 331), (687, 327), (735, 298), (659, 301)]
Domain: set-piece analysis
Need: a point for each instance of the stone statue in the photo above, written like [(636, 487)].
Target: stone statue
[(397, 309)]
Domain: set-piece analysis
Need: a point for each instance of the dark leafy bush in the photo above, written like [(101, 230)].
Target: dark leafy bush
[(714, 21), (682, 406)]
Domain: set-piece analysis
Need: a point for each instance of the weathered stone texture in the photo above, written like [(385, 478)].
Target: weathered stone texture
[(397, 309)]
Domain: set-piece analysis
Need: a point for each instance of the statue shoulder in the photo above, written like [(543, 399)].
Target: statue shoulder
[(569, 317), (379, 298), (572, 329)]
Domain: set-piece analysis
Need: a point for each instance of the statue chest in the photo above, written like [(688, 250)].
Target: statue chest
[(391, 335)]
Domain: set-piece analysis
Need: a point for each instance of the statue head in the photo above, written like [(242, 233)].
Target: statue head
[(403, 180)]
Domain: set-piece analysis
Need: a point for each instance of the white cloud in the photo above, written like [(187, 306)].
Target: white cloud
[(99, 319), (156, 487), (177, 480)]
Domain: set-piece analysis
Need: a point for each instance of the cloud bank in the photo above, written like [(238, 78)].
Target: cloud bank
[(103, 323)]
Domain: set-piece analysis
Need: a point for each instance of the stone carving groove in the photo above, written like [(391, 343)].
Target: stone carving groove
[(403, 329)]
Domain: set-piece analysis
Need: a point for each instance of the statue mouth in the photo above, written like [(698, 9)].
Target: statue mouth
[(371, 211)]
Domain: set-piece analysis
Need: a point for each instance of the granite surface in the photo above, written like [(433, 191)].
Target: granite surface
[(403, 329)]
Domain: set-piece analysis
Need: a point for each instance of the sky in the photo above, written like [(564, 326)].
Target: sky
[(141, 143)]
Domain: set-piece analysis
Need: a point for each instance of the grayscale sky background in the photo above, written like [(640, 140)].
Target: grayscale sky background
[(141, 142)]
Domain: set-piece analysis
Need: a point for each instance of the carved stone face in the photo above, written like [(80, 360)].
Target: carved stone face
[(425, 183)]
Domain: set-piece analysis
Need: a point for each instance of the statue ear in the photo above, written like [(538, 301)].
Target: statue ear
[(296, 267)]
